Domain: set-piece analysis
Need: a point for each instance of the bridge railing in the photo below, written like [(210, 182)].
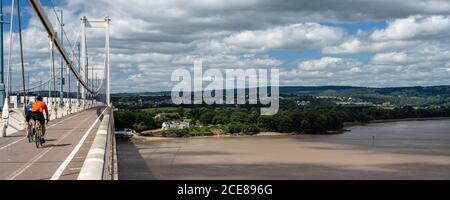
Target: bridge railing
[(14, 120), (101, 161), (110, 171)]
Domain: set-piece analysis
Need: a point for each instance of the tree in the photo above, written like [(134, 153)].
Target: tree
[(319, 123), (146, 118), (194, 114), (306, 126), (139, 126), (285, 125), (297, 118), (252, 129), (408, 112), (333, 120), (180, 112), (206, 118), (267, 123), (220, 118), (235, 127), (124, 119), (239, 116)]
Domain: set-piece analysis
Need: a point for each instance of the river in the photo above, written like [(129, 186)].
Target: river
[(396, 150)]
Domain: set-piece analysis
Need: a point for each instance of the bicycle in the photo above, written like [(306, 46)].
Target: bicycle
[(30, 134), (38, 134)]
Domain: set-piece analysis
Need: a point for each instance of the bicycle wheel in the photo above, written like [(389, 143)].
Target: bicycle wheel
[(29, 136), (37, 135)]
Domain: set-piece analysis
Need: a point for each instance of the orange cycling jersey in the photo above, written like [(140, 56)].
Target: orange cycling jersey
[(39, 106)]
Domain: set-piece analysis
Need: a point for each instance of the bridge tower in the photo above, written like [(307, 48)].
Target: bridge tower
[(95, 24)]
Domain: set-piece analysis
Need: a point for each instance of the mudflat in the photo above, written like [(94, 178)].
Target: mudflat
[(399, 150)]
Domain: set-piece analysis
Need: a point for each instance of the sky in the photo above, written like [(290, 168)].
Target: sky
[(373, 43)]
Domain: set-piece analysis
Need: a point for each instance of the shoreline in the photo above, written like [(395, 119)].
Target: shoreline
[(140, 138), (353, 124)]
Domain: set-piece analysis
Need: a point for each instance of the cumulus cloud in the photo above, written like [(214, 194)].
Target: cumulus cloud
[(338, 71), (400, 34), (152, 38), (414, 27), (392, 57), (295, 36), (328, 64), (362, 45)]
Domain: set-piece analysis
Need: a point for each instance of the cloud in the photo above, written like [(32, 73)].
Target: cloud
[(339, 71), (431, 52), (295, 36), (361, 45), (329, 64), (323, 71), (414, 27), (405, 33), (153, 38), (392, 57), (134, 77)]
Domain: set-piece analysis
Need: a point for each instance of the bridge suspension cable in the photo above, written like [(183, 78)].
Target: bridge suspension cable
[(21, 48), (11, 39), (49, 28), (77, 64)]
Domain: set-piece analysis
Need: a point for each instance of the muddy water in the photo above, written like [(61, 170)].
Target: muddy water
[(401, 150)]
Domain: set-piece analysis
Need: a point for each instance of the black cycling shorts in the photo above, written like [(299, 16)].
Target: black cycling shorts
[(27, 116), (38, 116)]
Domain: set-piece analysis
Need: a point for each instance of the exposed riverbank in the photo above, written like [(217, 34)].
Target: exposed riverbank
[(401, 150), (139, 138)]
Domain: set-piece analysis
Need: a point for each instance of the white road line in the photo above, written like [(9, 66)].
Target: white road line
[(18, 172), (21, 170), (69, 158), (15, 142)]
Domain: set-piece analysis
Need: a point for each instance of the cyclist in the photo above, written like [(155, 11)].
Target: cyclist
[(38, 109), (28, 109)]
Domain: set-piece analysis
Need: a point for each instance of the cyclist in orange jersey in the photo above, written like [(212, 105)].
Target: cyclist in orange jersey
[(38, 109)]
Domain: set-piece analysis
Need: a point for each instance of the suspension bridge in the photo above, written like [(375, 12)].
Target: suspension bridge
[(80, 135)]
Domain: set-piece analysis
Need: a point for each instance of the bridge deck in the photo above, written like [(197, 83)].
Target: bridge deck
[(68, 141)]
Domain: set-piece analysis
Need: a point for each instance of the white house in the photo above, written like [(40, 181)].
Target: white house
[(175, 125)]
